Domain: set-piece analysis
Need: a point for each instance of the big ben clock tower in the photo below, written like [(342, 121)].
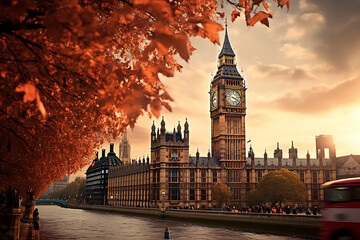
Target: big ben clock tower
[(227, 112)]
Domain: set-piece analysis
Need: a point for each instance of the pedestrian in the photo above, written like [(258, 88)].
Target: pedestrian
[(315, 210), (294, 210), (273, 210), (167, 233), (36, 223), (287, 210), (308, 211), (301, 209)]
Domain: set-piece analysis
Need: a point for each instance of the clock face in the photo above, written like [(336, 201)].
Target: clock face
[(233, 97), (214, 99)]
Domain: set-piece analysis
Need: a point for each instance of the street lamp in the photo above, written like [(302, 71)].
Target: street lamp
[(163, 199)]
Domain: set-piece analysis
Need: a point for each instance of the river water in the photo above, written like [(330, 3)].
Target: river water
[(58, 223)]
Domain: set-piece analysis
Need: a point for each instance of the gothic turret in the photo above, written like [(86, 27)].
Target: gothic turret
[(308, 159), (179, 129), (278, 154), (293, 153), (153, 132), (251, 155), (162, 130), (208, 157), (186, 130), (197, 158), (162, 137), (265, 159)]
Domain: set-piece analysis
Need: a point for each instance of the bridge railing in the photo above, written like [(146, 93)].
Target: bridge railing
[(50, 201)]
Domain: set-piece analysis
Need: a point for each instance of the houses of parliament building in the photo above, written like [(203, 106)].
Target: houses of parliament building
[(172, 178)]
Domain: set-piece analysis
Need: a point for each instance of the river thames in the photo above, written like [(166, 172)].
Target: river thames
[(58, 223)]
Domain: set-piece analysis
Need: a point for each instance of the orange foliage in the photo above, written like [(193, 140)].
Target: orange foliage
[(252, 14), (75, 73)]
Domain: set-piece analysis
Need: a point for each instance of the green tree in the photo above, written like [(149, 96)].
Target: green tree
[(277, 187), (222, 193)]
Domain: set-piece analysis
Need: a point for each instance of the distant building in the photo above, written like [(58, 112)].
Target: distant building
[(348, 166), (58, 185), (79, 178), (97, 177), (124, 149)]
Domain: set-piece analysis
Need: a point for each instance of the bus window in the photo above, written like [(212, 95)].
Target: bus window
[(337, 194), (356, 194)]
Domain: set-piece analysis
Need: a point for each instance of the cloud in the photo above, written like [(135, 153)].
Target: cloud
[(296, 51), (302, 25), (338, 41), (306, 5), (320, 99), (281, 72)]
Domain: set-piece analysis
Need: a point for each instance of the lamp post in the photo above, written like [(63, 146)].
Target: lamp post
[(163, 199)]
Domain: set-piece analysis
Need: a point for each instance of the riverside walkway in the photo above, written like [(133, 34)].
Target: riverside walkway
[(283, 224)]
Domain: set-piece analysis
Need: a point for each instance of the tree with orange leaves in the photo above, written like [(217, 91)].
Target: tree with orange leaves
[(74, 73)]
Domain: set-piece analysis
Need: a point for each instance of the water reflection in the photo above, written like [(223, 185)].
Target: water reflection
[(64, 223)]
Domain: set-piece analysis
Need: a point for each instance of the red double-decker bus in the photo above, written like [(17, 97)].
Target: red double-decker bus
[(341, 210)]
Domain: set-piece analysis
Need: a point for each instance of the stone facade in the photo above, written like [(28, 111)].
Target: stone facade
[(348, 166), (312, 172), (129, 184), (173, 178)]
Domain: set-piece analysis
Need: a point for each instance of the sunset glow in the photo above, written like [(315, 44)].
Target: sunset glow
[(302, 81)]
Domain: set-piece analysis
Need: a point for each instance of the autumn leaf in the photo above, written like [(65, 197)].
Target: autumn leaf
[(241, 3), (257, 2), (260, 16), (282, 3), (211, 30), (234, 15), (266, 6), (265, 21), (31, 93)]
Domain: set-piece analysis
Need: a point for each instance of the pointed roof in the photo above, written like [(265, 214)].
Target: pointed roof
[(226, 49), (226, 69), (340, 161)]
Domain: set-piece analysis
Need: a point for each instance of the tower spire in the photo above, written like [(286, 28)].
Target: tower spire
[(226, 49), (226, 60)]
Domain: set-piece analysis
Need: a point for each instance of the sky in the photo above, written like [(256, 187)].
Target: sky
[(302, 76)]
